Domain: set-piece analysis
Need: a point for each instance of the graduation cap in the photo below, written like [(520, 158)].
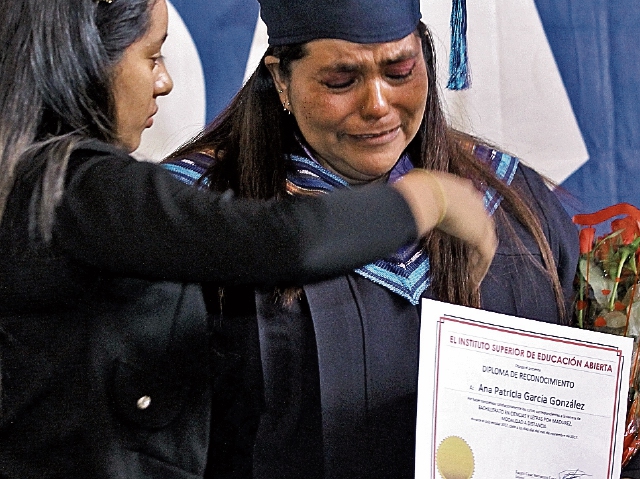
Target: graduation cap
[(361, 21), (358, 21)]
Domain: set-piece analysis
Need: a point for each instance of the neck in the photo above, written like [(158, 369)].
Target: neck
[(352, 181)]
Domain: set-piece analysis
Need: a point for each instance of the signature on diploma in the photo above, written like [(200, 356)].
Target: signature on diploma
[(572, 474)]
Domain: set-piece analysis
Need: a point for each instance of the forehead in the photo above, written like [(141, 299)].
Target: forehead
[(158, 23), (327, 51)]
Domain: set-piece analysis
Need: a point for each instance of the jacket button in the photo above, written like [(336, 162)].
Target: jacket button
[(144, 402)]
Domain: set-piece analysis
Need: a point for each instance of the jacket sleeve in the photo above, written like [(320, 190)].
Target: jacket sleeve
[(134, 218)]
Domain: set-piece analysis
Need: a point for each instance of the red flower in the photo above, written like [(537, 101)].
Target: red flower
[(581, 305), (619, 306), (600, 322), (629, 227), (586, 239)]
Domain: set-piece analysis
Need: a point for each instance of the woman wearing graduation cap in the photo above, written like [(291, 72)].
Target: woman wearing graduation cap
[(319, 380)]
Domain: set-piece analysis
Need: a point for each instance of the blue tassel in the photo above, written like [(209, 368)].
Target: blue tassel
[(459, 78)]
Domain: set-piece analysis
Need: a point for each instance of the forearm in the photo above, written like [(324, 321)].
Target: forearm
[(135, 219)]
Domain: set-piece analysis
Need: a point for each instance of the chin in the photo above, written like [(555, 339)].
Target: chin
[(384, 165), (130, 146)]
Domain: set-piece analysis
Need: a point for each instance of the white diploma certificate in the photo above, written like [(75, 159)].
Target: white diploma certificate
[(501, 397)]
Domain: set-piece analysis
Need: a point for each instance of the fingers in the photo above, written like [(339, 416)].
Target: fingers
[(466, 218), (426, 198), (481, 256), (454, 206)]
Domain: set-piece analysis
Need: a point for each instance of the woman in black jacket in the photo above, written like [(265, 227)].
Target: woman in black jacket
[(104, 361)]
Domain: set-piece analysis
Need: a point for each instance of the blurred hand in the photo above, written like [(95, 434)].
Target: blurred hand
[(454, 206)]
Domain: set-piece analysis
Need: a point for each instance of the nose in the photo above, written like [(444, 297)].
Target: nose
[(163, 84), (375, 102)]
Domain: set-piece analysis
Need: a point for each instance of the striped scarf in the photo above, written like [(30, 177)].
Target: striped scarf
[(407, 271)]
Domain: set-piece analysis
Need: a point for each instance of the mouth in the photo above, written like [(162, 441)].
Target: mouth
[(379, 137), (149, 122)]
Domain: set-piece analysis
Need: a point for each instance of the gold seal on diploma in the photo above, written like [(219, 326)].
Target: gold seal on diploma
[(454, 459)]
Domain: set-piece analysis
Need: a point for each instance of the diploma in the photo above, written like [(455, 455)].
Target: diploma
[(510, 398)]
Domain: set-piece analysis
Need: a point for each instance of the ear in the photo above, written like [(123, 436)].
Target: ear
[(273, 64)]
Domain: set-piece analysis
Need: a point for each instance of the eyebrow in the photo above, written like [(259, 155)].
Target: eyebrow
[(348, 67), (159, 41), (405, 54)]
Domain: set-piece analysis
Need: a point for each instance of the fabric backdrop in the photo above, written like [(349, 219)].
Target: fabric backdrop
[(555, 82)]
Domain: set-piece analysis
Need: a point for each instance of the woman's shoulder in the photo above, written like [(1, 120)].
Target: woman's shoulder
[(538, 186), (539, 192), (510, 169), (190, 168), (545, 197), (505, 165), (96, 148)]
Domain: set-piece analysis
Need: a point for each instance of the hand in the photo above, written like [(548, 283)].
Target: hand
[(454, 206)]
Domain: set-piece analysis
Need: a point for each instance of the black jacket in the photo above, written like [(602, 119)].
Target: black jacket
[(105, 366)]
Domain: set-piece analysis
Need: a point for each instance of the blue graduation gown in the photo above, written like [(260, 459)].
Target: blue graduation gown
[(339, 368)]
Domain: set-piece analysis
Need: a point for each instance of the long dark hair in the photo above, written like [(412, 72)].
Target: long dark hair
[(58, 59), (251, 137)]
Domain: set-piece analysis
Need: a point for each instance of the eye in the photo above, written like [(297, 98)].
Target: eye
[(401, 70), (339, 80), (158, 59)]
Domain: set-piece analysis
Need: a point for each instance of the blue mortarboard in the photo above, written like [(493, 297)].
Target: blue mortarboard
[(362, 21), (358, 21)]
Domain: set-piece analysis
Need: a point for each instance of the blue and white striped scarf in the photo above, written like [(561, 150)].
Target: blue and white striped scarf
[(406, 272)]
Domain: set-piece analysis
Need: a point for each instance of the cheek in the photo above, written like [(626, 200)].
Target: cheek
[(130, 93), (133, 95), (320, 114), (414, 103)]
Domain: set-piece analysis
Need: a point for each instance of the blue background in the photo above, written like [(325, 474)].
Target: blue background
[(597, 48)]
